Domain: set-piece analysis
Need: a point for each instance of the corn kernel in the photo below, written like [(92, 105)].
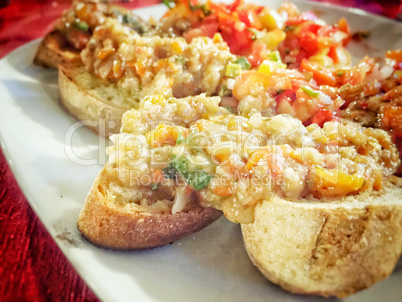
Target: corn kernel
[(176, 47)]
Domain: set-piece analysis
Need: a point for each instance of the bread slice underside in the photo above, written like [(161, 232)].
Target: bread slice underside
[(109, 223), (55, 50), (328, 249)]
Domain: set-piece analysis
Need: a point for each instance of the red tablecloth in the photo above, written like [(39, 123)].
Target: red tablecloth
[(32, 268)]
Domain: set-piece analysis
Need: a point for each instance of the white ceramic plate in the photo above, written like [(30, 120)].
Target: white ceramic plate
[(211, 265)]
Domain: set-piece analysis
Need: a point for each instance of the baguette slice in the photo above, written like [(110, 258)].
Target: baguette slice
[(55, 50), (110, 224), (86, 97), (328, 249)]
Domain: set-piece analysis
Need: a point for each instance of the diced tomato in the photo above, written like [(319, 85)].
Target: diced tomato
[(204, 30), (311, 27), (250, 18), (364, 105), (239, 42), (326, 31), (309, 38), (392, 120), (321, 75), (233, 7), (344, 27), (333, 54), (357, 74), (287, 94), (308, 41), (323, 116), (257, 54), (218, 8), (394, 55)]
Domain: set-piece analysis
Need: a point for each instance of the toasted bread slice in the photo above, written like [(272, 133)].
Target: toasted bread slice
[(62, 45), (88, 99), (116, 223), (92, 94), (328, 249), (100, 106), (55, 50)]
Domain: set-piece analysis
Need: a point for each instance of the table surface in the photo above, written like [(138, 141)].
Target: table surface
[(32, 267)]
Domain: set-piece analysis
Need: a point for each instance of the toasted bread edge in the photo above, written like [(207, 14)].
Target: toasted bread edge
[(54, 51), (109, 226), (326, 250), (104, 119)]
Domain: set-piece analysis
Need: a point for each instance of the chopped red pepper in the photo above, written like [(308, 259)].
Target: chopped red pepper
[(321, 75), (394, 55), (323, 116)]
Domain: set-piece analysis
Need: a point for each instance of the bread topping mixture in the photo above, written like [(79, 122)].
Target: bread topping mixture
[(156, 65), (232, 162), (78, 23)]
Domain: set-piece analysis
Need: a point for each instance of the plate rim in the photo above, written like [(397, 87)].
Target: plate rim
[(97, 290)]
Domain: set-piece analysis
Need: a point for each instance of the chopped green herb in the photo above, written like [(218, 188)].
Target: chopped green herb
[(339, 74), (179, 165), (244, 63), (154, 186), (168, 3), (311, 92), (116, 13), (180, 139), (180, 60), (203, 7), (83, 26), (134, 23), (228, 108), (225, 91), (275, 56), (199, 180), (256, 33), (126, 19)]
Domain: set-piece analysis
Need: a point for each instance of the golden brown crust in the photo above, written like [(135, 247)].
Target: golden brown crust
[(102, 118), (328, 250), (108, 225), (55, 50)]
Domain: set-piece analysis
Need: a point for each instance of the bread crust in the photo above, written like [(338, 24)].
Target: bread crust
[(55, 50), (104, 119), (328, 250), (111, 226)]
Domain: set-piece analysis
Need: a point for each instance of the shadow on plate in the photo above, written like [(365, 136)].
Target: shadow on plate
[(211, 265)]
